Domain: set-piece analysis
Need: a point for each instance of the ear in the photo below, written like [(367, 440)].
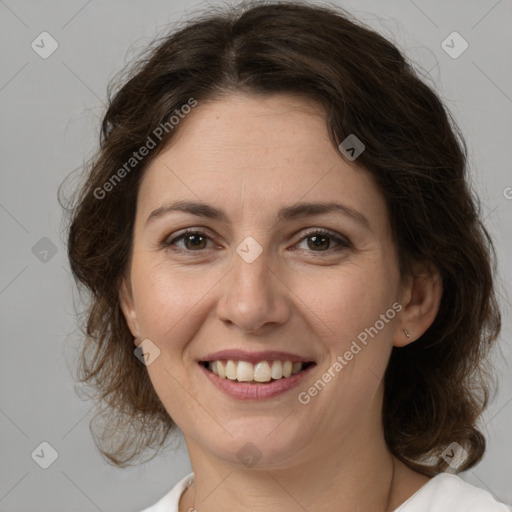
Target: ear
[(128, 307), (421, 297)]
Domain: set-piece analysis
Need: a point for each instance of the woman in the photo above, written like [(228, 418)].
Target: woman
[(286, 263)]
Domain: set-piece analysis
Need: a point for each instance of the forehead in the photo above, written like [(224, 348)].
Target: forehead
[(271, 130), (260, 153)]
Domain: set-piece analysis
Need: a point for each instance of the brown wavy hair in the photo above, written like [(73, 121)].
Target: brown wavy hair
[(436, 387)]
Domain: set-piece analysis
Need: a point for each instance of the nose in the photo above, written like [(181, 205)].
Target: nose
[(253, 296)]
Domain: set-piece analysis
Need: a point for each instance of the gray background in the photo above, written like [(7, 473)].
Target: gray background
[(50, 112)]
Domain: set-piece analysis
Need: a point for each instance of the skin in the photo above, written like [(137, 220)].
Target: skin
[(250, 156)]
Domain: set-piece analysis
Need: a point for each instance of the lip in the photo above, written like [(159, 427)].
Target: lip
[(255, 357), (244, 391)]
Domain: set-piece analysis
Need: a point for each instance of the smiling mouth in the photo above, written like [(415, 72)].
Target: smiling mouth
[(260, 373)]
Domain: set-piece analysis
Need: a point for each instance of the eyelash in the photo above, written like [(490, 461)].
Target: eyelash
[(342, 242)]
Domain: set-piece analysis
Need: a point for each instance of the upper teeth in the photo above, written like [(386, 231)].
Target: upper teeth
[(263, 371)]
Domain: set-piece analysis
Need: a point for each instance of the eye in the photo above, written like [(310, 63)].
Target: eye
[(194, 241), (319, 240)]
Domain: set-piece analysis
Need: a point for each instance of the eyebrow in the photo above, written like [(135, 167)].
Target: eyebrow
[(294, 211)]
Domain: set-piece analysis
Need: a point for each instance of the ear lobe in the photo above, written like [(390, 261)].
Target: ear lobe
[(128, 307), (422, 295)]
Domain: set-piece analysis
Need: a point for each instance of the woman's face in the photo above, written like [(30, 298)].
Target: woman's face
[(260, 278)]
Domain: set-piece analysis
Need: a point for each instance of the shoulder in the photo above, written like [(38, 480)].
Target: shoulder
[(169, 503), (449, 493)]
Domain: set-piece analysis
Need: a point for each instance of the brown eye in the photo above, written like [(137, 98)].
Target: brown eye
[(323, 241), (195, 241), (192, 241), (318, 242)]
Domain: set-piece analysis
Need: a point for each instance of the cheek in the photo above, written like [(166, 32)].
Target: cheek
[(346, 307), (343, 302), (168, 298)]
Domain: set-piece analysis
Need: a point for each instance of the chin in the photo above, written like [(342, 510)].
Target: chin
[(259, 443)]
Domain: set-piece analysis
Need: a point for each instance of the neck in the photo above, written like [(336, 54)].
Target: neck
[(355, 475)]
